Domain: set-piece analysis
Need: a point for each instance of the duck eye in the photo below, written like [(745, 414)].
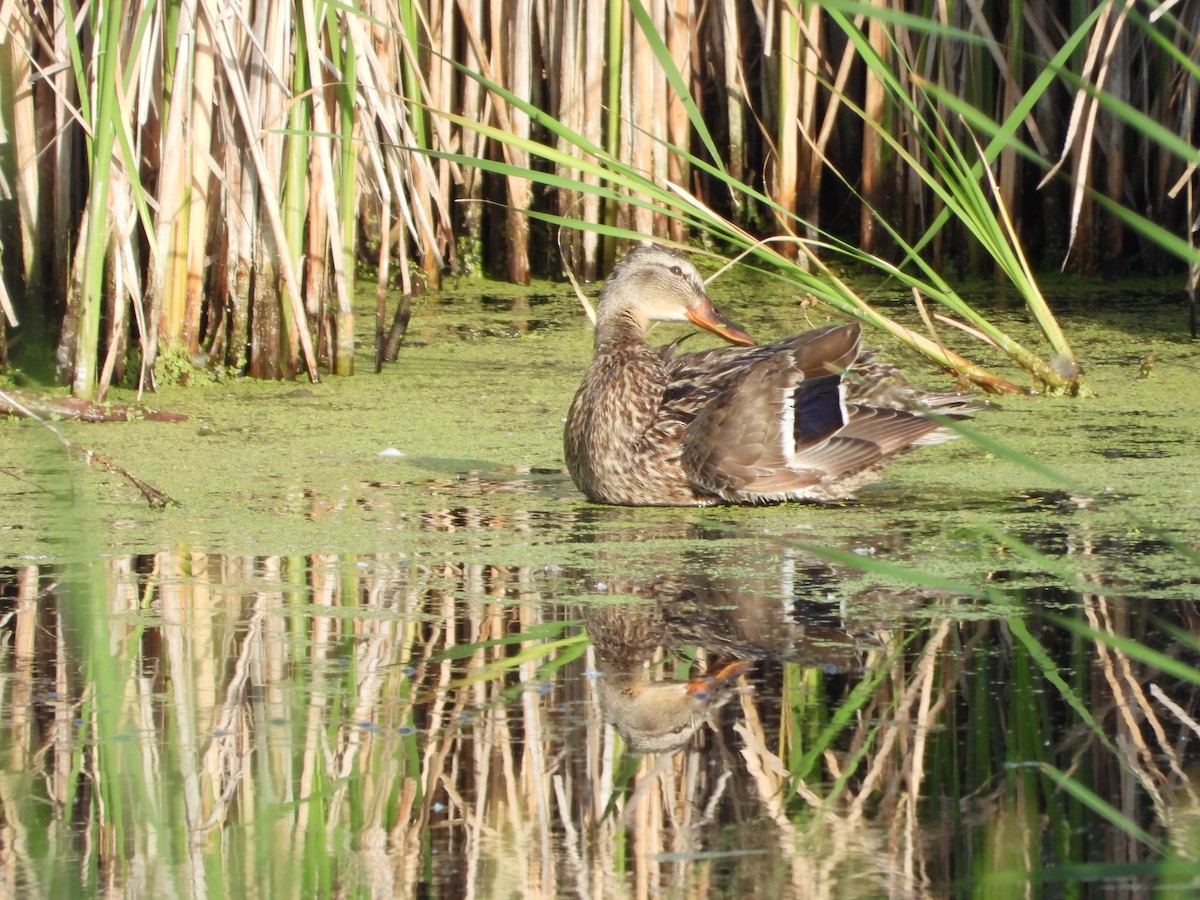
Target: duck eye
[(677, 270)]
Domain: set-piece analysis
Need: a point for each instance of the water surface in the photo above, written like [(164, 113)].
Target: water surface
[(382, 648)]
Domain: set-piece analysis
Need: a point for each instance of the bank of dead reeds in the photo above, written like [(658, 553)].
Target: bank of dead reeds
[(199, 184)]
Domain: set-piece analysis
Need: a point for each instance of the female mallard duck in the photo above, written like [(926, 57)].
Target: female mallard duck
[(810, 417)]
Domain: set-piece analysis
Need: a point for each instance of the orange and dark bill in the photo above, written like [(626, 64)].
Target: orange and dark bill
[(700, 687), (710, 318)]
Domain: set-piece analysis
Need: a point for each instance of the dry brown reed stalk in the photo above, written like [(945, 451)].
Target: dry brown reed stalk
[(66, 751), (910, 702), (1081, 138), (592, 101), (725, 38), (325, 228), (441, 82), (322, 632), (23, 643), (374, 650), (401, 185), (639, 75), (680, 29), (24, 142), (787, 163), (873, 187), (1135, 713), (1190, 724), (416, 189), (474, 105), (566, 86), (818, 847), (224, 761), (188, 657), (514, 57), (535, 769)]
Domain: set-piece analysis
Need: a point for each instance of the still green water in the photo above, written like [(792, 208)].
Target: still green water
[(382, 648)]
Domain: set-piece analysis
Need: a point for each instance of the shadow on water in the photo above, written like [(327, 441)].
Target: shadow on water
[(673, 707)]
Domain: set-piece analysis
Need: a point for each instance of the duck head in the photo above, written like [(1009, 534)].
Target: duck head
[(662, 716), (656, 284)]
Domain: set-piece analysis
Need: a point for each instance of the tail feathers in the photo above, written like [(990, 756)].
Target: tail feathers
[(950, 404)]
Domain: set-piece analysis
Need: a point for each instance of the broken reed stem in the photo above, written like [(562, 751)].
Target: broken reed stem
[(155, 497)]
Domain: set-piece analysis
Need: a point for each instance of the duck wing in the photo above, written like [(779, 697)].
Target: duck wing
[(696, 380), (779, 426)]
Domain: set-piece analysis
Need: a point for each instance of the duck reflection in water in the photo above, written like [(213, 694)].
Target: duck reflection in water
[(738, 622), (652, 716)]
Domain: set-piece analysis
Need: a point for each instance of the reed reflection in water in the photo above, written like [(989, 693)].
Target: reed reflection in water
[(182, 724)]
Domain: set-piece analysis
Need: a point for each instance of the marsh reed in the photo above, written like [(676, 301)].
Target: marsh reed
[(199, 186)]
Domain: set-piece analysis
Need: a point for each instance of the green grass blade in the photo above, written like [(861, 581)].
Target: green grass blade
[(1050, 672), (1100, 806), (663, 55)]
